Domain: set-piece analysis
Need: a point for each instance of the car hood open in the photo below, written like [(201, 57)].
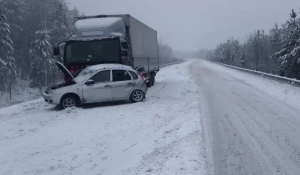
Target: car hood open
[(65, 71)]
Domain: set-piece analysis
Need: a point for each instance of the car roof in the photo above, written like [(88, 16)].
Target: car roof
[(109, 66)]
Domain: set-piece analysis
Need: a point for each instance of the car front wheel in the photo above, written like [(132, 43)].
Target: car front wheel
[(69, 101), (137, 96)]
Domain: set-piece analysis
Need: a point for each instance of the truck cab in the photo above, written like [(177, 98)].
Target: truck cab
[(96, 41), (104, 39)]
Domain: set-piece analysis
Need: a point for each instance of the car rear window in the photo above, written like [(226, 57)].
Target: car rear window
[(121, 75), (134, 75)]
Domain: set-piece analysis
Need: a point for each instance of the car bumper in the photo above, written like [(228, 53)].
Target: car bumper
[(49, 98), (144, 88)]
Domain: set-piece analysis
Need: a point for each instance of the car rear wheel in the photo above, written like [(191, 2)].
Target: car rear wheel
[(137, 96), (69, 102)]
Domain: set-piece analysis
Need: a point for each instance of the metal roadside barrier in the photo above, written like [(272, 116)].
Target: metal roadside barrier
[(170, 64), (263, 74)]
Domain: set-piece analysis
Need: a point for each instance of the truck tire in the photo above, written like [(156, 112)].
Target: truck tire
[(153, 79), (150, 78), (150, 81)]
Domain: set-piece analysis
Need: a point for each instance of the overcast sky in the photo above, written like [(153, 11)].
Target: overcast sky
[(188, 25)]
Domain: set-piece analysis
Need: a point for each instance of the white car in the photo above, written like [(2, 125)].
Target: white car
[(99, 83)]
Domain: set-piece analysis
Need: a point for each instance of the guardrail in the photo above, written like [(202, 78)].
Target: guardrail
[(170, 64), (263, 74)]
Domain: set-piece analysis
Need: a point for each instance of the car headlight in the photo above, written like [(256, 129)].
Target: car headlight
[(49, 91)]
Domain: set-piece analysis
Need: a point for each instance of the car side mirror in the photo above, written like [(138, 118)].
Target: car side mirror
[(56, 51), (140, 69), (89, 82)]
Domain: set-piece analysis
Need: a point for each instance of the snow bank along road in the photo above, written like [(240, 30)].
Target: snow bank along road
[(253, 123), (163, 135)]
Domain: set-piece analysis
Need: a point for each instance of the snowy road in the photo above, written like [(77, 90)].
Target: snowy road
[(253, 123), (162, 135), (200, 118)]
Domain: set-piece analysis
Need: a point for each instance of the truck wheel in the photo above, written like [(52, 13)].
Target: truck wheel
[(153, 76), (69, 101), (151, 80), (150, 83), (137, 96)]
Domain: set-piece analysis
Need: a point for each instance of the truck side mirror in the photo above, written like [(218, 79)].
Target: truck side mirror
[(124, 52), (56, 51), (124, 45)]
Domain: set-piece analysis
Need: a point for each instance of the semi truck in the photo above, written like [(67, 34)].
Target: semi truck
[(104, 39)]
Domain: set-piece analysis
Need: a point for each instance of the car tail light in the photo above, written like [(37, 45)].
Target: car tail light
[(144, 78)]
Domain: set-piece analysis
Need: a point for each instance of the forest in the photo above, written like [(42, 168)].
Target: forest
[(29, 29), (276, 52)]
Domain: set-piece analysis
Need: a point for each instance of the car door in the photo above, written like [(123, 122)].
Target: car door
[(122, 84), (100, 88)]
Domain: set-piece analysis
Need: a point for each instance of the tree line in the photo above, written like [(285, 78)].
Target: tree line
[(277, 52), (166, 54), (28, 30)]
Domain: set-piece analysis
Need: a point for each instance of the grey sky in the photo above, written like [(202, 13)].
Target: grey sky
[(188, 25)]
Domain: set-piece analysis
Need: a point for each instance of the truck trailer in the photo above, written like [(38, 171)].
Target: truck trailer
[(104, 39)]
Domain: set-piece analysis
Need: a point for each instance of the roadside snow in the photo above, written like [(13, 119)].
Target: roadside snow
[(19, 95), (281, 91), (162, 135)]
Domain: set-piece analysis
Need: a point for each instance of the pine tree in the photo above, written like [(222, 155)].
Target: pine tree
[(276, 39), (61, 23), (41, 61), (276, 36), (7, 61), (228, 52), (243, 59), (290, 53)]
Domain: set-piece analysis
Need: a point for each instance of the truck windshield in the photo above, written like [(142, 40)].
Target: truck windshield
[(96, 51)]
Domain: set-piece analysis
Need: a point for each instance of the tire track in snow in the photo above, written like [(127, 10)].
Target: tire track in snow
[(154, 162)]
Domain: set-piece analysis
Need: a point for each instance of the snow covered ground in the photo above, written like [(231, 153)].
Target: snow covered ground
[(252, 123), (163, 135), (21, 93), (200, 118)]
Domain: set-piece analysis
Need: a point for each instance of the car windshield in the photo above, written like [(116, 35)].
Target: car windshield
[(84, 75), (95, 51)]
